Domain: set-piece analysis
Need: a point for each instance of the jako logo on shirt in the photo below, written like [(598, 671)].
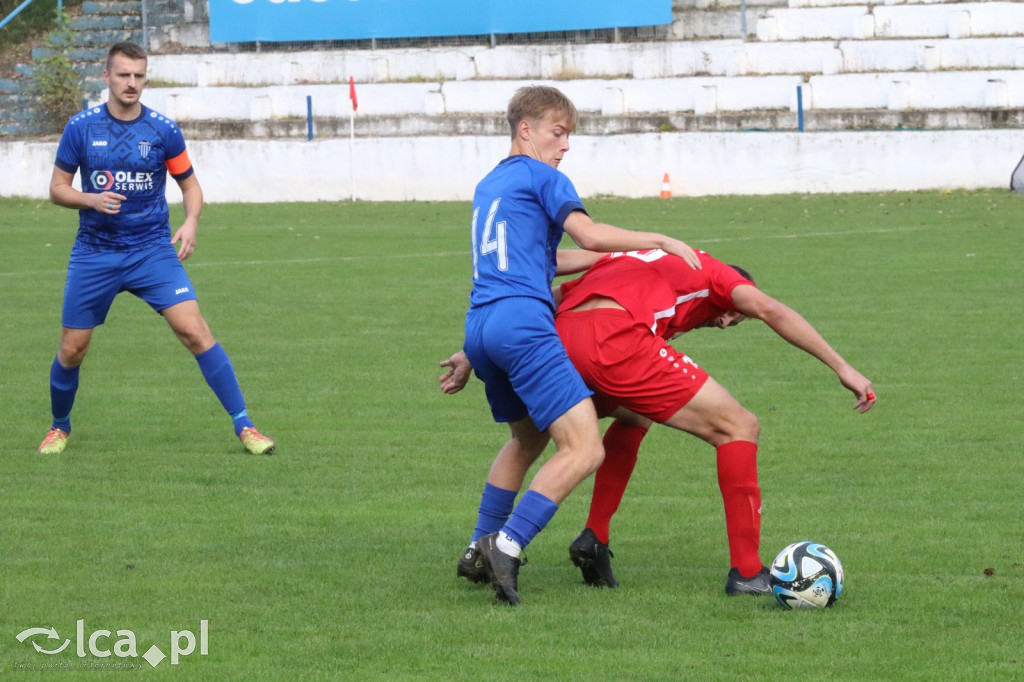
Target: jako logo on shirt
[(183, 290), (121, 180)]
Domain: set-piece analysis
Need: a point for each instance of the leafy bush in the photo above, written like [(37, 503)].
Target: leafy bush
[(56, 83)]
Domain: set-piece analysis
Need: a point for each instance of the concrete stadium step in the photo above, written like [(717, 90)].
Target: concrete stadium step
[(11, 86), (558, 62), (96, 38), (998, 88), (718, 19), (16, 106), (19, 117), (383, 127), (836, 3), (106, 22), (90, 7), (917, 91), (605, 97), (566, 62), (77, 54), (945, 20), (931, 54)]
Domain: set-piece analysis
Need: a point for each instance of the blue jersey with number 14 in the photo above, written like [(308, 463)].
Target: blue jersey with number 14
[(519, 211)]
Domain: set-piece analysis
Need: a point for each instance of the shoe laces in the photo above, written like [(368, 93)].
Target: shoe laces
[(53, 435), (250, 433)]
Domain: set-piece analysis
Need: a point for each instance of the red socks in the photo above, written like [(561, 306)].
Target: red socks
[(621, 444), (737, 479)]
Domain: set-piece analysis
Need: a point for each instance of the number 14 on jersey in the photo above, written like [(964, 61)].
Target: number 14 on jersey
[(492, 240)]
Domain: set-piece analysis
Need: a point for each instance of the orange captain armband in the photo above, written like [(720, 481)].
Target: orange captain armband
[(179, 164)]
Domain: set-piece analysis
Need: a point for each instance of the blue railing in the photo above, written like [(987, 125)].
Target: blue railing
[(6, 20)]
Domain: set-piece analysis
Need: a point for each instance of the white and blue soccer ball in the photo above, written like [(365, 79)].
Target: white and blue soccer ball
[(807, 575)]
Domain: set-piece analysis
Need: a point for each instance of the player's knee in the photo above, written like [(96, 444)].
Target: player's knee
[(748, 427), (592, 456), (585, 456), (72, 352), (71, 357), (196, 337), (739, 424)]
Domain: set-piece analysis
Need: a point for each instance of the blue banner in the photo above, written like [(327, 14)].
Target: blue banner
[(239, 21)]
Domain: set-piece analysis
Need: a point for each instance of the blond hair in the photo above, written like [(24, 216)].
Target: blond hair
[(535, 102)]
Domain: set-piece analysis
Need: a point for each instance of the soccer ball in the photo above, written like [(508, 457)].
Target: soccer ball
[(807, 575)]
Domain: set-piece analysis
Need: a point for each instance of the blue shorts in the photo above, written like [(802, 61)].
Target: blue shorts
[(516, 352), (152, 273)]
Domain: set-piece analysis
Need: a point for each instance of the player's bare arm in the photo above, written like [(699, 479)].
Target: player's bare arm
[(571, 261), (792, 326), (607, 238), (64, 194), (192, 198)]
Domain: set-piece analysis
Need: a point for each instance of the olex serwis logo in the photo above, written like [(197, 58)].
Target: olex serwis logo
[(121, 645), (122, 180)]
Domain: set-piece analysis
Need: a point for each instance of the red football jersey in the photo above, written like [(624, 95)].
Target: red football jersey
[(659, 290)]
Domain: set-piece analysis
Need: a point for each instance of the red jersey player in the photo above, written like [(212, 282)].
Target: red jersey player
[(615, 322)]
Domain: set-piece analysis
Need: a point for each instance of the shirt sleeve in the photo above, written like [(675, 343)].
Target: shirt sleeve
[(559, 197), (70, 147), (723, 280), (177, 161)]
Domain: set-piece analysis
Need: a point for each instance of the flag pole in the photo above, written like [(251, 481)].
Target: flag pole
[(352, 151), (352, 134)]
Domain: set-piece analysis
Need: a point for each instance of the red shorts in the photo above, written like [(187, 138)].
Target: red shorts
[(626, 365)]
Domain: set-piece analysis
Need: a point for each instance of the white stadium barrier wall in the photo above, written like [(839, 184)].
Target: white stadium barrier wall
[(699, 164)]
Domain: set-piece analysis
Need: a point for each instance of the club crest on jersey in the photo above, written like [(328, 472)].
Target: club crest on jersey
[(144, 148)]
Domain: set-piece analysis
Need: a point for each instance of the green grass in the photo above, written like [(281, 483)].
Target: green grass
[(335, 558)]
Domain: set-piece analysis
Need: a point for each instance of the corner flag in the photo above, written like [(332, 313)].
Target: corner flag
[(352, 93)]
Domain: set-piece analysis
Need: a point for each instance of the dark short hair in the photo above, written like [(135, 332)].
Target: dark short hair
[(534, 102), (743, 273), (128, 49)]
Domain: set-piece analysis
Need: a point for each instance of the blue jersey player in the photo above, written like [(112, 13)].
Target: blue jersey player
[(124, 151), (520, 211)]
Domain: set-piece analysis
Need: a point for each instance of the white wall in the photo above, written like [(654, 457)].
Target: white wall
[(447, 168)]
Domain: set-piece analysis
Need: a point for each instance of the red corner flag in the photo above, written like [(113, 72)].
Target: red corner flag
[(352, 93)]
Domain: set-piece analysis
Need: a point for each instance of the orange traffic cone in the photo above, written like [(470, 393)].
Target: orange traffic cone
[(666, 189)]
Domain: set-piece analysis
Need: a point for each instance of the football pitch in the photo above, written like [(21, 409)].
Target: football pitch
[(335, 558)]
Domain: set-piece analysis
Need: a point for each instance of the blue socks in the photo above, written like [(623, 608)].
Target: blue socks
[(530, 516), (214, 363), (220, 375), (495, 507), (63, 386)]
